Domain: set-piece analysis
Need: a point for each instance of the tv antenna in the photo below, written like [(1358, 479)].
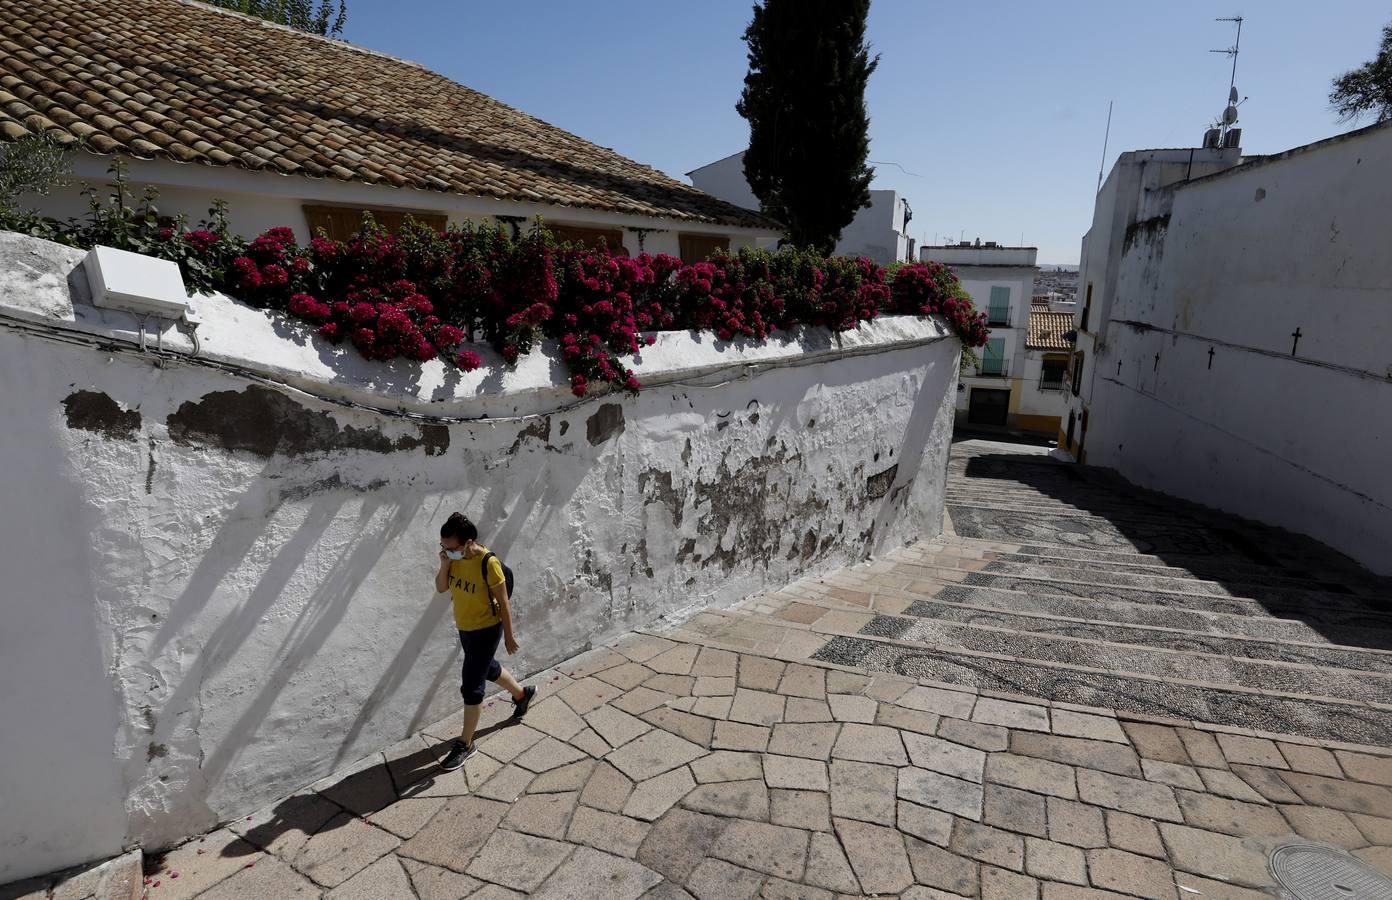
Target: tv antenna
[(1106, 137), (1228, 117)]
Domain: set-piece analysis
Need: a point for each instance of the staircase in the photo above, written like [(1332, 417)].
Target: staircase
[(1069, 584)]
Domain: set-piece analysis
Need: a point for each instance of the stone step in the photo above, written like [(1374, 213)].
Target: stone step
[(1299, 679), (1201, 617), (1100, 586), (1107, 512), (1209, 572), (1145, 695), (1223, 619), (1230, 587), (1340, 609), (1207, 568), (967, 543), (1095, 648), (1233, 550), (1217, 640), (1090, 533)]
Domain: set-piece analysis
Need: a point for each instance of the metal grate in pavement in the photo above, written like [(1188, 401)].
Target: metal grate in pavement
[(1311, 872)]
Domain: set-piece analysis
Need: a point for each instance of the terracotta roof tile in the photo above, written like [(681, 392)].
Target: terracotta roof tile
[(179, 80), (1047, 330)]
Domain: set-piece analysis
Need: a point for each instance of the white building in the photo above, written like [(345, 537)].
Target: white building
[(1048, 349), (1234, 334), (297, 130), (880, 231), (1000, 281)]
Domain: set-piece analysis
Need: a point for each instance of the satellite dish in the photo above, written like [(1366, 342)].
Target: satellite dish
[(1230, 115), (1232, 94)]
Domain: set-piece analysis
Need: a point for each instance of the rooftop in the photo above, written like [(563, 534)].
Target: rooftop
[(190, 83), (969, 245), (1047, 330)]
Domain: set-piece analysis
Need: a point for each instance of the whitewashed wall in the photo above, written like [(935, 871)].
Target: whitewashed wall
[(1236, 262), (725, 179), (218, 590), (258, 201), (1033, 401), (877, 231)]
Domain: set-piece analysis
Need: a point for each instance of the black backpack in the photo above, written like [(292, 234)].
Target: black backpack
[(507, 577)]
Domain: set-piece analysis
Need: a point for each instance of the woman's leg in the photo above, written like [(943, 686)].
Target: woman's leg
[(478, 665), (471, 720), (508, 683)]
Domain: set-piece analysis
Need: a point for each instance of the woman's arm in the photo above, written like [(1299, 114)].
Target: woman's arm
[(500, 596), (442, 576)]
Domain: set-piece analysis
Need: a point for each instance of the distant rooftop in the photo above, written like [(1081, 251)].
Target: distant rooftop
[(979, 253), (1047, 330), (974, 245)]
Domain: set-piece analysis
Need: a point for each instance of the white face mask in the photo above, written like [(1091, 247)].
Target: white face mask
[(455, 554)]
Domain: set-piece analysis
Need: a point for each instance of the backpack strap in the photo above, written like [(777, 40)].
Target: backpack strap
[(488, 588)]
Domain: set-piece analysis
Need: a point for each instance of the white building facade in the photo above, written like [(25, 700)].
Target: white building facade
[(1234, 330), (880, 231), (1000, 281), (1048, 351)]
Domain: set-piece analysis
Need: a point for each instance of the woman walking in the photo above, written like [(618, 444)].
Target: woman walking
[(474, 577)]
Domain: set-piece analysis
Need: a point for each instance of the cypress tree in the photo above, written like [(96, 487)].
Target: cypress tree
[(804, 98), (326, 19)]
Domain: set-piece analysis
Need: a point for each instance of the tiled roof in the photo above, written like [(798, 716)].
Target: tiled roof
[(1047, 329), (177, 80)]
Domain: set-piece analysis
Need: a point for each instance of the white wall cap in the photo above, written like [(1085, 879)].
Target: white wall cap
[(140, 284)]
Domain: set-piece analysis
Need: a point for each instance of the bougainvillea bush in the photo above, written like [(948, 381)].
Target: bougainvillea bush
[(422, 294)]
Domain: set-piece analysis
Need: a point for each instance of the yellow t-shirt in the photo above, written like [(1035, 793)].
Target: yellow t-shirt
[(473, 604)]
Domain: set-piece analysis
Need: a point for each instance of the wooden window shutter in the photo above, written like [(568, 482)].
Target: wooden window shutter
[(587, 236), (697, 247), (342, 222)]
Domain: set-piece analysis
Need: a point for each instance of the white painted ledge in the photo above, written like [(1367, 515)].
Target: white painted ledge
[(40, 289)]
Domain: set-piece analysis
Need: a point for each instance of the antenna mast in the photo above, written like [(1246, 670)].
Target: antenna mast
[(1105, 138), (1229, 116)]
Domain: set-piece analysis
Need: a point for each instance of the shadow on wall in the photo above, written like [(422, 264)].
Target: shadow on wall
[(929, 411), (289, 611), (1292, 576), (61, 786)]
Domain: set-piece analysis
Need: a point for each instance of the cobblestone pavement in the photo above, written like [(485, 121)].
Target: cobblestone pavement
[(1083, 692)]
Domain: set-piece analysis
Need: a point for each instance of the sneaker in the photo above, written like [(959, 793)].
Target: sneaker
[(520, 706), (459, 752)]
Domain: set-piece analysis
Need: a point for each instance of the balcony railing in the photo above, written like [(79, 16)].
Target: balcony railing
[(993, 368), (997, 315), (1052, 384)]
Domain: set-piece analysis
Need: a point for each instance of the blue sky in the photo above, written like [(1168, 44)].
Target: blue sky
[(998, 108)]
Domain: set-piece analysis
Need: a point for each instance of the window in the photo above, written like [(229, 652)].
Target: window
[(589, 236), (1087, 308), (1052, 373), (998, 311), (696, 247), (992, 358), (342, 222), (1077, 372)]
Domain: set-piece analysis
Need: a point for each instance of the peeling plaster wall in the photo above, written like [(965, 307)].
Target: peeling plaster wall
[(234, 579)]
